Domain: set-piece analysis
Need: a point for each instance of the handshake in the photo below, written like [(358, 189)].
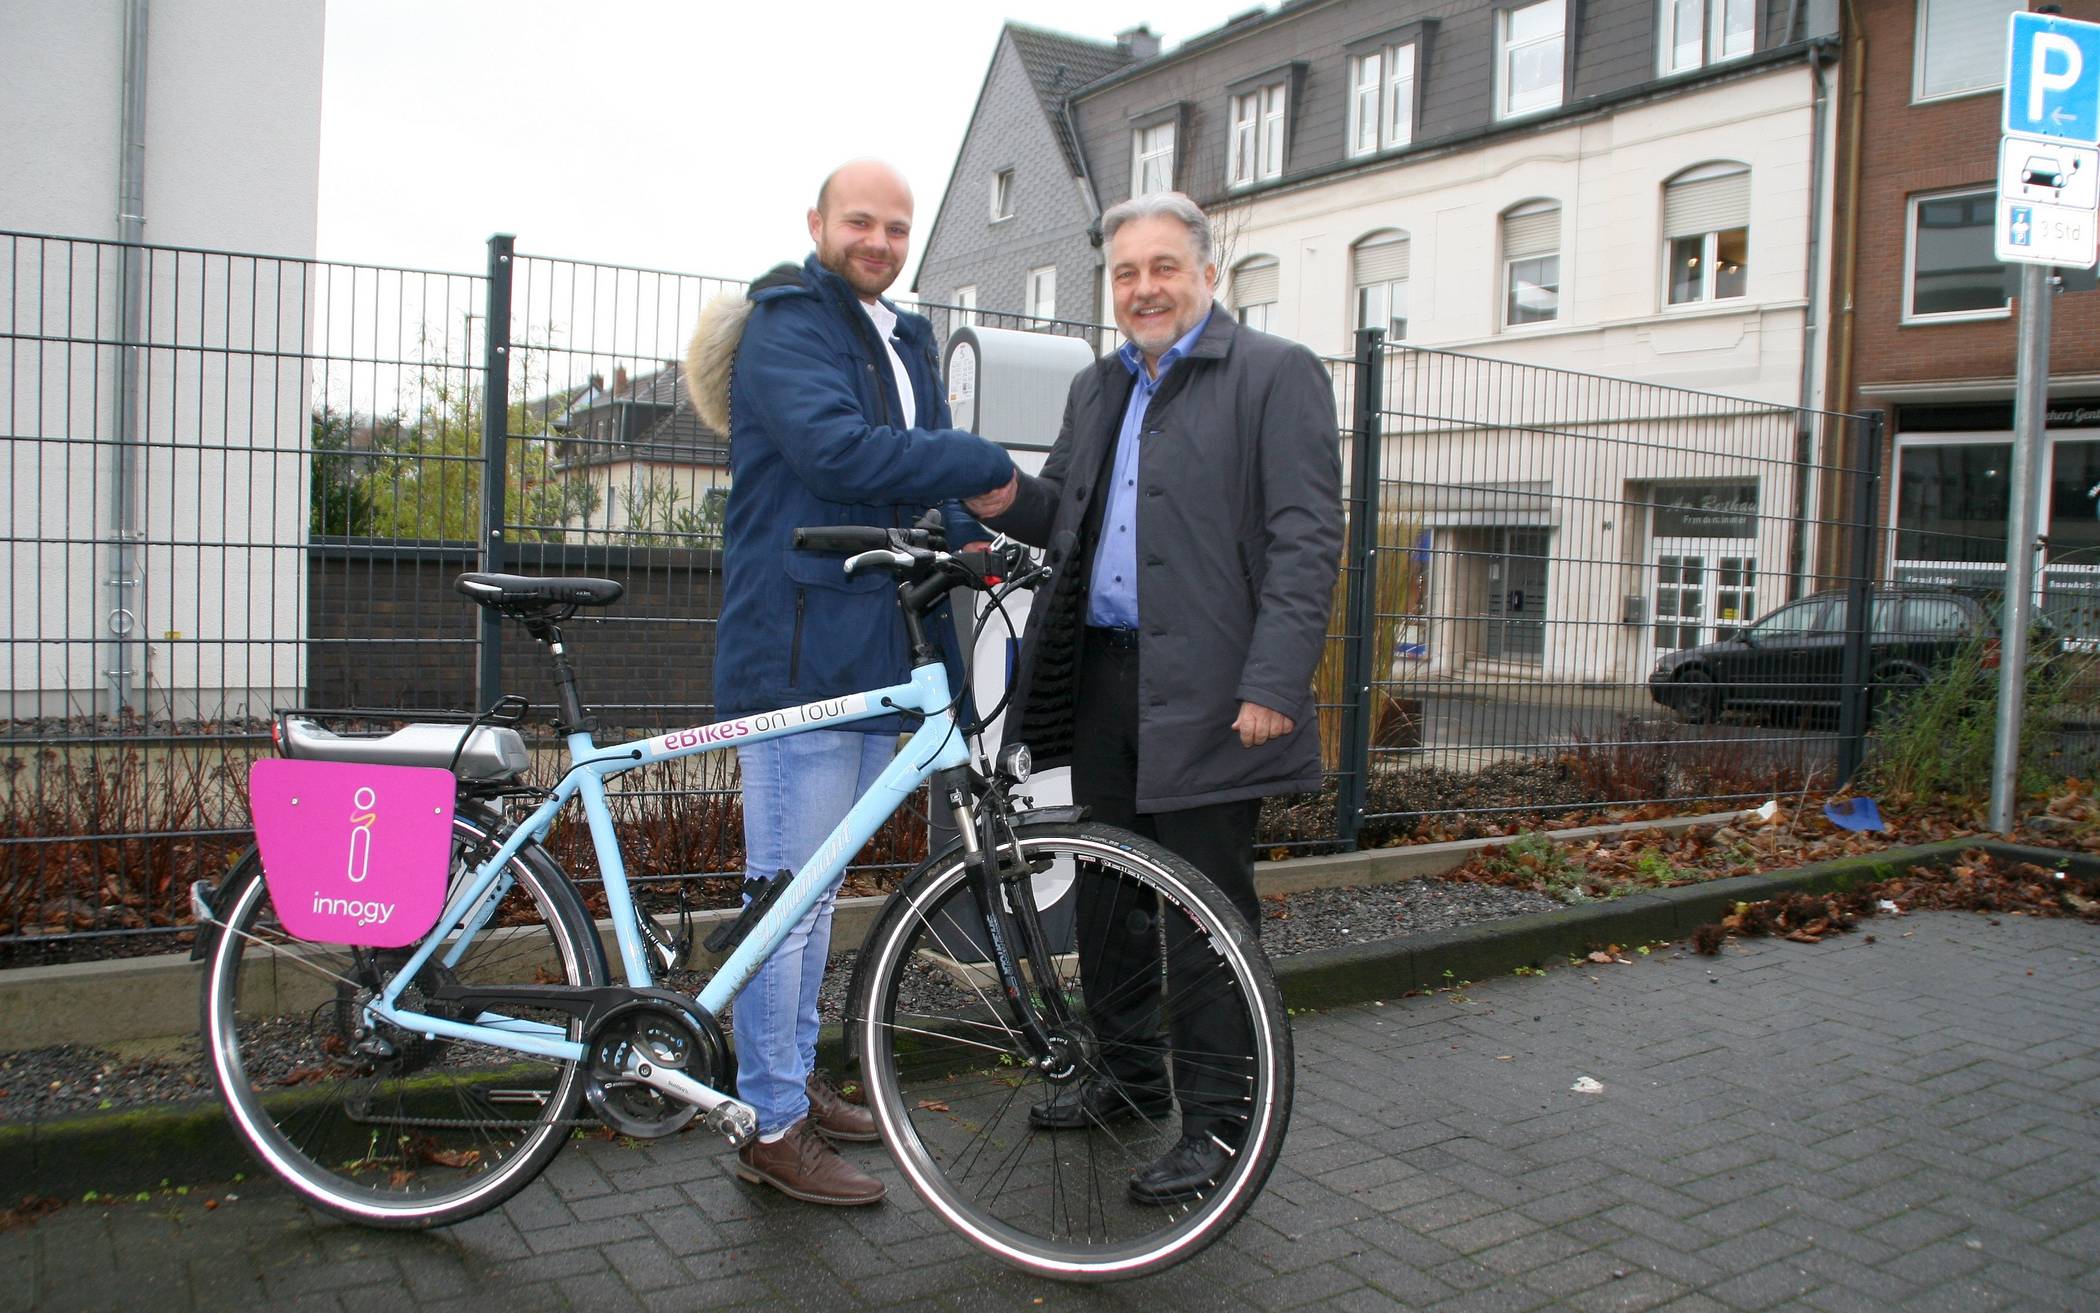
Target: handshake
[(995, 502)]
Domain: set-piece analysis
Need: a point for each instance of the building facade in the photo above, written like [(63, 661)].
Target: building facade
[(1015, 228), (1930, 339), (1624, 188)]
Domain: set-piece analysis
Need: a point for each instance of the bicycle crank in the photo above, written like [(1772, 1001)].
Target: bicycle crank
[(654, 1063)]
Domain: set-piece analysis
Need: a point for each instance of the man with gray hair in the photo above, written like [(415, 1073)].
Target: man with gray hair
[(1192, 511)]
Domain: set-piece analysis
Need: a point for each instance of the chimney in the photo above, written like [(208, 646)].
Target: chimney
[(619, 379), (1138, 42)]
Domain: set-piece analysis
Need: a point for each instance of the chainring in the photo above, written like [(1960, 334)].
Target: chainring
[(669, 1030)]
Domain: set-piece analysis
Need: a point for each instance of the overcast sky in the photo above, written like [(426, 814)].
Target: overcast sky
[(676, 134)]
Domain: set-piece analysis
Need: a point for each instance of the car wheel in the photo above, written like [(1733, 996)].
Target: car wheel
[(1698, 697)]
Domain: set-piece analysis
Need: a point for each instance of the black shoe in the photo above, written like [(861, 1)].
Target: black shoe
[(1185, 1172), (1101, 1102)]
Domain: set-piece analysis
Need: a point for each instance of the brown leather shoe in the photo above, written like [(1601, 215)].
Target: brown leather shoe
[(803, 1165), (838, 1119)]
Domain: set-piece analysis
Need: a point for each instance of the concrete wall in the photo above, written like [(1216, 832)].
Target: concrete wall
[(231, 164)]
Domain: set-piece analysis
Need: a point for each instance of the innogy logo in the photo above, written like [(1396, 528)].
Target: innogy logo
[(365, 813)]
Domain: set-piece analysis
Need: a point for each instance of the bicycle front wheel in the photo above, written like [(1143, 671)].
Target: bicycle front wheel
[(383, 1126), (1176, 1030)]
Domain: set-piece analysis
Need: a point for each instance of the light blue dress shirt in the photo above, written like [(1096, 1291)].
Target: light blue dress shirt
[(1112, 601)]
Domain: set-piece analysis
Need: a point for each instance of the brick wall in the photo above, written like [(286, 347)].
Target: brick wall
[(1923, 148)]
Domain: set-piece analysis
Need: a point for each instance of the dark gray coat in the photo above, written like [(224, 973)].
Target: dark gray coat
[(1239, 524)]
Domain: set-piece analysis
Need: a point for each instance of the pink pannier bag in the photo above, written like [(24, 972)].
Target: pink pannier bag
[(353, 854)]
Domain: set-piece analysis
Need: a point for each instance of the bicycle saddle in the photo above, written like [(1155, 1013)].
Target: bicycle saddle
[(514, 591)]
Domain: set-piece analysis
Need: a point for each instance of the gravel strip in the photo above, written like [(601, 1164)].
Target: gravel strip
[(45, 1083)]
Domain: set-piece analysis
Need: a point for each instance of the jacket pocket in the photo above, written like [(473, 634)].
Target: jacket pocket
[(795, 644)]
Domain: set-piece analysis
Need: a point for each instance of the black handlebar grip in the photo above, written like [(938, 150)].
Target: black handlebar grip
[(843, 538)]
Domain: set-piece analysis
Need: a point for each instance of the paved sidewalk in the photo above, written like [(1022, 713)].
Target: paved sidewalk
[(1912, 1123)]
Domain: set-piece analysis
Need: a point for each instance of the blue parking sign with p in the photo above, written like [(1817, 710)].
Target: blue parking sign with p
[(2052, 78)]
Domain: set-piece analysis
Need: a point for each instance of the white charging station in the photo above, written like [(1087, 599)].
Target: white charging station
[(1010, 386)]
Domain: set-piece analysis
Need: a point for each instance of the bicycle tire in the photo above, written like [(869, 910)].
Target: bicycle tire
[(952, 1087), (442, 1131)]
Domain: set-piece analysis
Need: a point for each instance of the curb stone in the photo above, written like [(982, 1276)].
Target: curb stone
[(189, 1144)]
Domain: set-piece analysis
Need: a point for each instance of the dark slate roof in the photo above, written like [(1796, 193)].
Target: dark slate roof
[(1059, 65), (677, 438)]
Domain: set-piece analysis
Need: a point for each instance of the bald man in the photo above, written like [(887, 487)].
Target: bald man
[(836, 415)]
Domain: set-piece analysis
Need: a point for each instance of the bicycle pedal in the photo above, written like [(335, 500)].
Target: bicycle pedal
[(733, 1121)]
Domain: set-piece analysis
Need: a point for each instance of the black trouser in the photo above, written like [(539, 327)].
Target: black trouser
[(1120, 939)]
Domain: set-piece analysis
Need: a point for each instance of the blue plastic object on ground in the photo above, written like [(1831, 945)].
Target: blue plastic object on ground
[(1854, 814)]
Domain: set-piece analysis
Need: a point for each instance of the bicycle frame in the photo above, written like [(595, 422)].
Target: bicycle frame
[(938, 744)]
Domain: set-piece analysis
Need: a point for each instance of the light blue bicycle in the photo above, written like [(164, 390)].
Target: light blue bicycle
[(417, 1086)]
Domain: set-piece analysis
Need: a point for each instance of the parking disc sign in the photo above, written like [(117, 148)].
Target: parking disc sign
[(2052, 78)]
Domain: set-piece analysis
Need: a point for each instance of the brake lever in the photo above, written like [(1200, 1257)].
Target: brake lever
[(880, 556)]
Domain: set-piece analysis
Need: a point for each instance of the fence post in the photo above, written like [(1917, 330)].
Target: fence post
[(1859, 628), (495, 468), (1360, 630)]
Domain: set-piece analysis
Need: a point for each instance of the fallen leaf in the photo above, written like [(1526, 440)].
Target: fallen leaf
[(932, 1105)]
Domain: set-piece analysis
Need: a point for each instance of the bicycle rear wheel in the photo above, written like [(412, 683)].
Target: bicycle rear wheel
[(961, 1101), (394, 1129)]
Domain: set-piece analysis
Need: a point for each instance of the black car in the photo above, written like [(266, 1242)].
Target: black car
[(1792, 660)]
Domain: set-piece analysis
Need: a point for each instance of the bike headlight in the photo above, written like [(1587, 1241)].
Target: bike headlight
[(1015, 762)]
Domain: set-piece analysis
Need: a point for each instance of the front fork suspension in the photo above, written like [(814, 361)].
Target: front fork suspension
[(1001, 879)]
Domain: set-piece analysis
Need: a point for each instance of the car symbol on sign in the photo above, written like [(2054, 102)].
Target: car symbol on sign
[(2044, 171)]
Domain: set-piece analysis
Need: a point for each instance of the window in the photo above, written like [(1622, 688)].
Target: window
[(1152, 159), (1700, 32), (1530, 49), (1255, 286), (1706, 233), (1042, 292), (965, 307), (1002, 195), (1382, 99), (1954, 269), (1256, 145), (1381, 265), (1531, 264), (1960, 47)]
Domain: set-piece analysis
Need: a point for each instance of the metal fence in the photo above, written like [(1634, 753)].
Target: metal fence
[(235, 483), (1529, 551)]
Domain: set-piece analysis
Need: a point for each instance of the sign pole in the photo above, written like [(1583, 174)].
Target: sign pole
[(2030, 407)]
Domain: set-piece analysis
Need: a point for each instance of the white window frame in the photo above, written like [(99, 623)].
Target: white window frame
[(1910, 262), (1144, 153), (1042, 292), (1002, 194), (1919, 54), (1257, 128), (1256, 314), (1392, 97), (1708, 248), (965, 307), (1508, 288), (1357, 287), (1505, 53), (1712, 39)]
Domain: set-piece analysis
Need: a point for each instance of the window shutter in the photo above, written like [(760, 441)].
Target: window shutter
[(1708, 205), (1527, 235), (1382, 262), (1255, 284)]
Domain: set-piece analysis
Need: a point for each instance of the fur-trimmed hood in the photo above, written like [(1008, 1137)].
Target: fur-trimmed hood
[(711, 353)]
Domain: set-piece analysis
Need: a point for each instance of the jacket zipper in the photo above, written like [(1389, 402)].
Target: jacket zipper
[(795, 646)]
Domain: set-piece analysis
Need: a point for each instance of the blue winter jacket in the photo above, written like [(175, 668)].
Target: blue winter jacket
[(816, 439)]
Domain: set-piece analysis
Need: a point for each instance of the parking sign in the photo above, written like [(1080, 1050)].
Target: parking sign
[(2052, 78)]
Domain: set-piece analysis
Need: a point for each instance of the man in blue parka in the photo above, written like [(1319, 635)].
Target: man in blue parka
[(836, 415)]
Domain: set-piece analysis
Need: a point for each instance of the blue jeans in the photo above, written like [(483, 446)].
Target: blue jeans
[(796, 790)]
